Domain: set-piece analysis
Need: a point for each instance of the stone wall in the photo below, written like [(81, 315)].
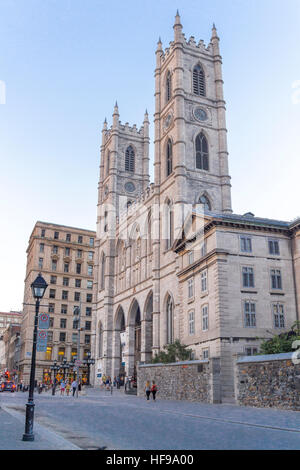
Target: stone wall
[(268, 381), (187, 380)]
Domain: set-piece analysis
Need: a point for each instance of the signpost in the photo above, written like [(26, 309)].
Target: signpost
[(44, 321), (41, 344)]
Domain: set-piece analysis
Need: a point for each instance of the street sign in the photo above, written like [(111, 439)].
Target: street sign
[(44, 321), (77, 363), (41, 344)]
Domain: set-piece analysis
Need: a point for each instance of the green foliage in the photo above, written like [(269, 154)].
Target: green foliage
[(173, 353), (281, 343)]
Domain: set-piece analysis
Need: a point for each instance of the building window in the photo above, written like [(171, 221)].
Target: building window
[(74, 340), (87, 339), (75, 324), (66, 267), (68, 237), (169, 224), (89, 297), (53, 279), (129, 159), (48, 355), (276, 282), (191, 322), (251, 351), (248, 277), (63, 323), (79, 253), (65, 281), (170, 312), (168, 86), (61, 354), (190, 257), (205, 353), (88, 311), (64, 295), (79, 238), (42, 246), (169, 158), (43, 233), (91, 255), (51, 308), (41, 263), (56, 235), (90, 270), (78, 268), (52, 294), (77, 282), (62, 337), (246, 244), (204, 281), (191, 288), (278, 315), (88, 325), (205, 318), (198, 81), (91, 241), (249, 314), (67, 251), (51, 324), (273, 247), (89, 285), (77, 296), (204, 201), (64, 309), (54, 249), (201, 152)]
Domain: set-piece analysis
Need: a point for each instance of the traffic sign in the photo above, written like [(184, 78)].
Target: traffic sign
[(42, 338), (77, 363)]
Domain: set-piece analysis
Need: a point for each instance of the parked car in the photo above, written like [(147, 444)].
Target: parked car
[(8, 387)]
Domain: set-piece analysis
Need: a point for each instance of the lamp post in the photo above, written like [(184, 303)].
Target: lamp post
[(55, 369), (89, 361), (38, 288), (65, 365)]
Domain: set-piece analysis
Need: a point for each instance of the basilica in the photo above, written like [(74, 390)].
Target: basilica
[(172, 260)]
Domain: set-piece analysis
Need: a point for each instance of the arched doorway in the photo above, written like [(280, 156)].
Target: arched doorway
[(147, 330), (134, 338), (120, 340)]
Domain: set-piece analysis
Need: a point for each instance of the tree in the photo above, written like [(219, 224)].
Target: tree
[(281, 343), (173, 352)]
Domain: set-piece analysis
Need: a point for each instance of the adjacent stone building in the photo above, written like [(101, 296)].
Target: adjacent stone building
[(65, 258), (172, 260)]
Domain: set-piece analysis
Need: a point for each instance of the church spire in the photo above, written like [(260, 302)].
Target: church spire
[(177, 27)]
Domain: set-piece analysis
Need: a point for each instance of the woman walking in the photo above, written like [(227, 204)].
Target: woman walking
[(147, 389)]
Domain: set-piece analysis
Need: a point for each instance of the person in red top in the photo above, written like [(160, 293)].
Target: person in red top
[(153, 389)]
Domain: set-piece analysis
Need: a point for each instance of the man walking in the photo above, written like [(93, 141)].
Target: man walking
[(74, 386)]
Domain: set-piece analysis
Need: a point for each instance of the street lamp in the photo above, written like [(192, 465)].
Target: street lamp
[(65, 365), (55, 369), (38, 288), (89, 361)]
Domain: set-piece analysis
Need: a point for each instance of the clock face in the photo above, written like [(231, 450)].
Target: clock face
[(129, 187), (200, 114)]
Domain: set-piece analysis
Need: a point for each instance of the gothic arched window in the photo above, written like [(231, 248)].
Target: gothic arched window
[(201, 152), (168, 87), (169, 158), (205, 201), (199, 81), (129, 159), (170, 320)]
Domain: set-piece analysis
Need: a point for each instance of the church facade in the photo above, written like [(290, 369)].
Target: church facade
[(172, 260)]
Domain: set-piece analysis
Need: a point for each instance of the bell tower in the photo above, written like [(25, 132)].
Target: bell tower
[(191, 156)]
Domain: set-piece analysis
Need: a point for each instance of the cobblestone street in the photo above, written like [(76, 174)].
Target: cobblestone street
[(98, 420)]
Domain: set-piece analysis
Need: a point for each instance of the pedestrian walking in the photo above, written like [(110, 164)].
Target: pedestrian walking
[(153, 389), (62, 387), (147, 389), (68, 388), (74, 386)]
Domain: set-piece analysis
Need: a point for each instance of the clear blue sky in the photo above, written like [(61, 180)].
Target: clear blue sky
[(64, 64)]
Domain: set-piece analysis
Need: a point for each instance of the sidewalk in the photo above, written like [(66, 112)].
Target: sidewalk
[(12, 426)]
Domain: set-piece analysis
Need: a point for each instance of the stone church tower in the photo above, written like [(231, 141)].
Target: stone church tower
[(138, 296)]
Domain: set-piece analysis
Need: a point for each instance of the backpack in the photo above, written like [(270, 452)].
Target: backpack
[(154, 388)]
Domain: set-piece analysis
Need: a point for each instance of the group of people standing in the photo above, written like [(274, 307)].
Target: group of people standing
[(150, 389), (67, 386)]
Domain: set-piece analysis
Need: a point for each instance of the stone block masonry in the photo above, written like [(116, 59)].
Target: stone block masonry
[(187, 380), (268, 381)]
